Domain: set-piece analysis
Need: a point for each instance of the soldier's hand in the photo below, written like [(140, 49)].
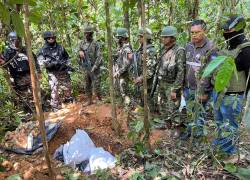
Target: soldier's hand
[(116, 75), (39, 76), (1, 61), (130, 56), (81, 54), (138, 80), (203, 98), (173, 96)]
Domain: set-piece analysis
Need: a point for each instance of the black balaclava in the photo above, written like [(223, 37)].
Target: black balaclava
[(51, 44), (89, 36), (234, 38)]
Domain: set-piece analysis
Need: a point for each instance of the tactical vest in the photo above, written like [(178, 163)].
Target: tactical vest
[(167, 70), (237, 83)]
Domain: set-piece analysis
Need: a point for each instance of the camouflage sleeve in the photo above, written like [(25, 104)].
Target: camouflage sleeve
[(40, 58), (127, 62), (151, 64), (99, 57), (180, 68)]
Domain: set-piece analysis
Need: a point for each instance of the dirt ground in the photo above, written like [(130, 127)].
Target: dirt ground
[(94, 119)]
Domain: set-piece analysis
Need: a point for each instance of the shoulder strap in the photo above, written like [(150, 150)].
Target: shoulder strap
[(242, 46)]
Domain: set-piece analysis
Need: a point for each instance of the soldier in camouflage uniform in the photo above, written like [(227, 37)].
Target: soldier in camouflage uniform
[(123, 62), (55, 59), (90, 60), (170, 72), (151, 66), (17, 62)]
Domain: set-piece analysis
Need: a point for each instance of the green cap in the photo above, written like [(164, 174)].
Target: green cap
[(148, 33), (122, 32), (169, 31)]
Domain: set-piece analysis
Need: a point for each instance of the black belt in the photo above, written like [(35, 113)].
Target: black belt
[(234, 93)]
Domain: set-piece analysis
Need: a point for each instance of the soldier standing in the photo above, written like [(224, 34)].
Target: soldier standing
[(151, 66), (91, 59), (123, 62), (55, 59), (229, 104), (18, 65), (170, 73)]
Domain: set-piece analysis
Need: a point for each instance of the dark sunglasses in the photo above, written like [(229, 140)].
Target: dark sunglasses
[(51, 38)]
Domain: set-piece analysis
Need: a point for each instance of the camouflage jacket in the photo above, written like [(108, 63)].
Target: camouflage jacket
[(151, 61), (94, 53), (55, 58), (123, 63), (171, 67)]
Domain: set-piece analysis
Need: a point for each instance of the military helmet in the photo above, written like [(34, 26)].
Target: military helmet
[(148, 33), (169, 31), (48, 34), (88, 28), (122, 32), (12, 36), (234, 22)]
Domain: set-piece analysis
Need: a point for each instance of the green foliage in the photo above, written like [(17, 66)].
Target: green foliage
[(14, 177), (213, 65), (223, 76), (243, 173), (4, 14), (18, 23), (230, 168), (224, 67)]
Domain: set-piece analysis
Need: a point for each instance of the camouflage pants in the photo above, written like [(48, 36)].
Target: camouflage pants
[(151, 100), (169, 109), (123, 83), (60, 86), (93, 85), (23, 89)]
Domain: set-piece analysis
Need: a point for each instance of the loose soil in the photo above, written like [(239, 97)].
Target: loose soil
[(95, 119)]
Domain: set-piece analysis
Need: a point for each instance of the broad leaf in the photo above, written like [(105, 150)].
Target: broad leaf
[(35, 17), (14, 177), (4, 14), (224, 74), (215, 63), (30, 2), (230, 168), (18, 23), (243, 173)]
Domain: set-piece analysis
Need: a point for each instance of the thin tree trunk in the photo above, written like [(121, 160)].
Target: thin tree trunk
[(36, 89), (125, 7), (145, 88), (115, 124), (170, 15)]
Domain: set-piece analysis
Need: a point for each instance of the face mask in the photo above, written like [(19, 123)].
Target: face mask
[(234, 38), (14, 44)]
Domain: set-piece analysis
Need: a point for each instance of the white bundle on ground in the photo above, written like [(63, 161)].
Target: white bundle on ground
[(81, 148)]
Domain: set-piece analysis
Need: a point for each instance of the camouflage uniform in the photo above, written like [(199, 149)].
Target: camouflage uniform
[(171, 77), (123, 64), (151, 66), (18, 67), (56, 61), (93, 80)]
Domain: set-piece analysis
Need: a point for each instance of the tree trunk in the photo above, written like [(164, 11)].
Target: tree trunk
[(115, 124), (36, 89), (170, 15), (145, 88), (125, 7)]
